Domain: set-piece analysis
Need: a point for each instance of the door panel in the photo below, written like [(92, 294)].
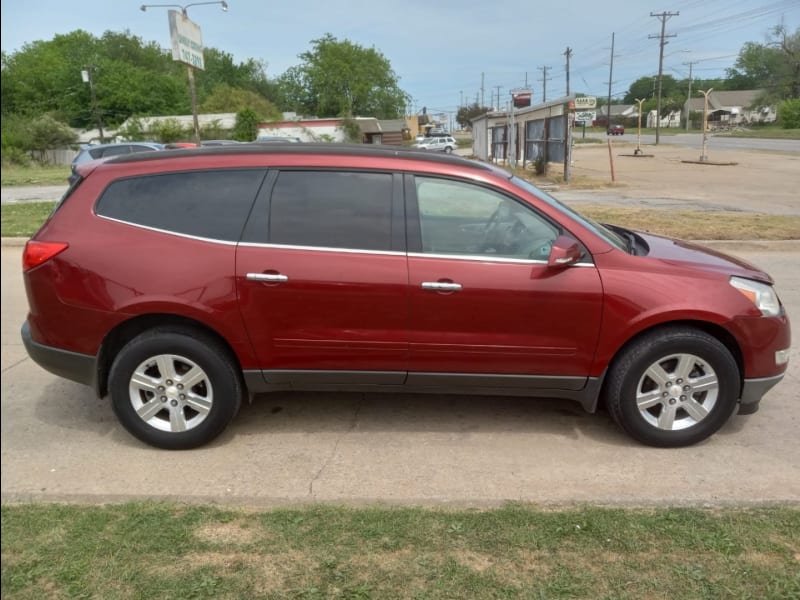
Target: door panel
[(483, 299), (328, 290)]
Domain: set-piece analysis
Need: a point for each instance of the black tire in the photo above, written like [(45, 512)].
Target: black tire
[(203, 407), (448, 149), (698, 392)]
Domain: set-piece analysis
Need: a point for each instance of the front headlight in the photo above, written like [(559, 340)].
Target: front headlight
[(760, 294)]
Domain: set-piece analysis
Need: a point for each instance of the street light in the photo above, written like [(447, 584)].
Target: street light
[(704, 156), (190, 67), (183, 7)]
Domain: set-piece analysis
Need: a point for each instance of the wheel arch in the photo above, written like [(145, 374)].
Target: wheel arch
[(122, 333), (714, 330)]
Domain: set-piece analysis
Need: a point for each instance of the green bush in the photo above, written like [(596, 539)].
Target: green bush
[(789, 113)]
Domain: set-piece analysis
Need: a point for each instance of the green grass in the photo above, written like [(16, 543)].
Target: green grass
[(149, 550), (23, 219), (13, 175)]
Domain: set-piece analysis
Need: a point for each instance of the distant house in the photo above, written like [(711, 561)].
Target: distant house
[(618, 112), (732, 108)]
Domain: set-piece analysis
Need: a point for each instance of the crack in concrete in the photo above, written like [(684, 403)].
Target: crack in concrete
[(328, 460), (20, 361)]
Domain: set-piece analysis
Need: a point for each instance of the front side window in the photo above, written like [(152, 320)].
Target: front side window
[(208, 204), (467, 219), (332, 209)]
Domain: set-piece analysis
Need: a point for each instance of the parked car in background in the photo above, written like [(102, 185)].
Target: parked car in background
[(179, 145), (218, 142), (439, 144), (263, 268), (89, 153), (616, 130), (420, 138), (269, 139)]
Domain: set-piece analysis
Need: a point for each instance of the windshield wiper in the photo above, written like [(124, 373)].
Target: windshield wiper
[(631, 239)]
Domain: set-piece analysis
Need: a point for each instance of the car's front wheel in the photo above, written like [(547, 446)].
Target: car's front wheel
[(174, 388), (448, 149), (673, 387)]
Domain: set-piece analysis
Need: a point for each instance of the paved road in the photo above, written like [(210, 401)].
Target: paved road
[(715, 142), (60, 443), (32, 193)]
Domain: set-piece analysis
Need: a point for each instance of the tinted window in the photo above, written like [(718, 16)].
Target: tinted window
[(461, 218), (135, 148), (116, 150), (210, 204), (332, 209)]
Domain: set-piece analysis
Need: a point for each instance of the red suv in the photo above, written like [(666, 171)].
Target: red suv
[(179, 283)]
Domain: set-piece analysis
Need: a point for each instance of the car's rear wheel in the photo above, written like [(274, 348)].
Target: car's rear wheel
[(673, 387), (174, 388)]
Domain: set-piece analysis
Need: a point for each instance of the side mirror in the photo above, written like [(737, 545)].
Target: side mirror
[(564, 252)]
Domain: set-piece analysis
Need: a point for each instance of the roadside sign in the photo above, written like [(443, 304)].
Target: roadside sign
[(585, 102), (187, 42), (586, 115)]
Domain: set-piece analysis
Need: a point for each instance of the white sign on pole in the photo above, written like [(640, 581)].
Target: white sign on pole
[(586, 116), (585, 102), (187, 43)]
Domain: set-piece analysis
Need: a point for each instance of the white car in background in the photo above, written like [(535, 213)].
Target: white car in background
[(440, 144)]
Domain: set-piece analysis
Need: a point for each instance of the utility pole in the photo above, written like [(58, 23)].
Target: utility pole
[(461, 99), (689, 95), (498, 88), (86, 74), (483, 103), (568, 54), (544, 82), (663, 17), (610, 75)]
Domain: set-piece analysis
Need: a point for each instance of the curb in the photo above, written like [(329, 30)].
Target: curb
[(723, 245)]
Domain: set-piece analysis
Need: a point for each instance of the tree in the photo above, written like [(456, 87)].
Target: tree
[(225, 98), (338, 78), (647, 87), (246, 127), (46, 133), (789, 113), (773, 67), (466, 114)]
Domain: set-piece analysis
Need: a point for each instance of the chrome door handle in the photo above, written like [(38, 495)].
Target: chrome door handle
[(441, 286), (266, 277)]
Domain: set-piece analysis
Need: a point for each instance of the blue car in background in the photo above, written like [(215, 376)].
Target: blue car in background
[(98, 151)]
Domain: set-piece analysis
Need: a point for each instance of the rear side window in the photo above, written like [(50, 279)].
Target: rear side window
[(332, 209), (116, 150), (208, 204)]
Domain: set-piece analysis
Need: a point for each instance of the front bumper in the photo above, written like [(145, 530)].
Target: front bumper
[(753, 390), (69, 365)]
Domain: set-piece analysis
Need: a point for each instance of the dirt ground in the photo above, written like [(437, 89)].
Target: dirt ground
[(759, 182)]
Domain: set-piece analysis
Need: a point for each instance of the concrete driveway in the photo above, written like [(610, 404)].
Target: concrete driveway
[(59, 443)]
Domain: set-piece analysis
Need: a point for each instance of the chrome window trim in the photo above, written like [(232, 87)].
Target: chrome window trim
[(465, 257), (169, 232), (321, 249), (489, 258)]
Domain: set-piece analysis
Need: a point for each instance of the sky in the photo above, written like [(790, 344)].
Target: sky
[(443, 51)]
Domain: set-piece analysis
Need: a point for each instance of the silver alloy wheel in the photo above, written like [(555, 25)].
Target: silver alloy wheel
[(171, 393), (677, 391)]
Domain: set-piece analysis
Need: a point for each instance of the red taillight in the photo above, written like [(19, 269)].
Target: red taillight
[(38, 252)]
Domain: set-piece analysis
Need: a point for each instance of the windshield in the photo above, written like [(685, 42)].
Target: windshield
[(604, 232)]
